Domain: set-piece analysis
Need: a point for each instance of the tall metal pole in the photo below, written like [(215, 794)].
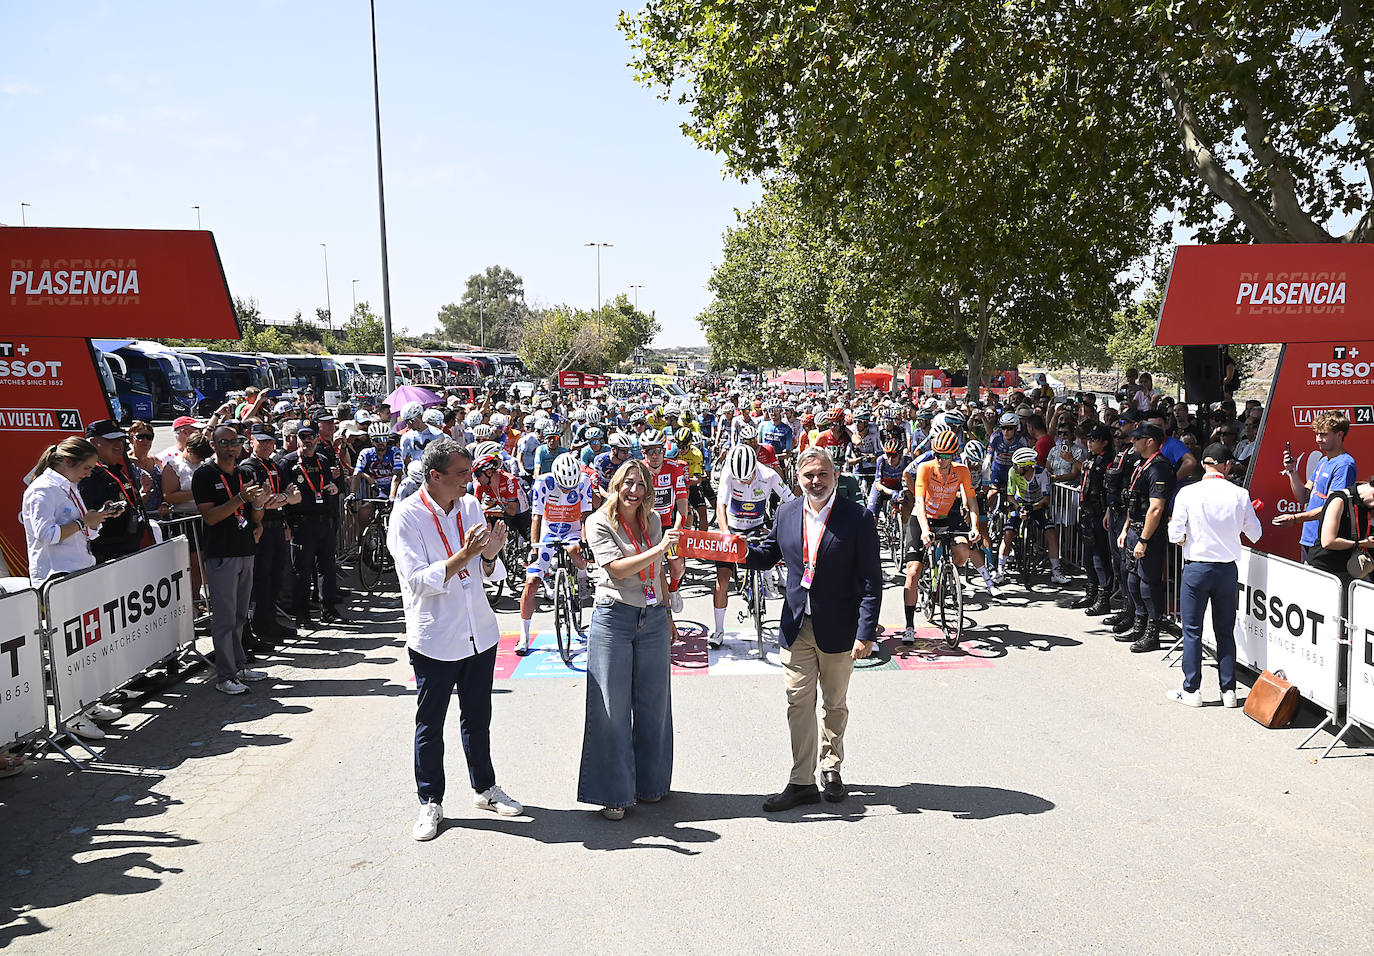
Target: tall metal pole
[(637, 287), (328, 309), (23, 214), (601, 352), (381, 214), (197, 209), (482, 313), (355, 295)]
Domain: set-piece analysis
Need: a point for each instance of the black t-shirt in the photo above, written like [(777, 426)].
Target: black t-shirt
[(1154, 479), (233, 536), (124, 533), (310, 475)]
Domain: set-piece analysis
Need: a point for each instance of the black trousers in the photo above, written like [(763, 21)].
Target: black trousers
[(1116, 520), (271, 572), (312, 547), (1097, 556), (1146, 579)]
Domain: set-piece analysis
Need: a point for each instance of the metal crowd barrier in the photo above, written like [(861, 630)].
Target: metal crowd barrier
[(192, 528)]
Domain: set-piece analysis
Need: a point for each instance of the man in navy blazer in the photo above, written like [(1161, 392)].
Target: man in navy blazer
[(829, 619)]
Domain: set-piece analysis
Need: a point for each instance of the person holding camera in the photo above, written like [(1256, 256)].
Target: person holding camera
[(112, 480)]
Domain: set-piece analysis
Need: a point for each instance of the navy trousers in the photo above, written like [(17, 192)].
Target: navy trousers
[(1203, 583), (436, 681)]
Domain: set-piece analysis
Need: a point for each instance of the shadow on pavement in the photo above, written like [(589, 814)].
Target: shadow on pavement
[(998, 640), (674, 824)]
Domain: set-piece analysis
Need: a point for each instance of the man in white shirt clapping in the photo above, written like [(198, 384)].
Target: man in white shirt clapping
[(443, 549), (1208, 519)]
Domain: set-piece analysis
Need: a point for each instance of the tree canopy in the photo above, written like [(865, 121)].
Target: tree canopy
[(490, 311)]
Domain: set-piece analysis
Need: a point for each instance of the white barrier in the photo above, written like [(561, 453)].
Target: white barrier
[(1360, 670), (1288, 618), (23, 709), (114, 620)]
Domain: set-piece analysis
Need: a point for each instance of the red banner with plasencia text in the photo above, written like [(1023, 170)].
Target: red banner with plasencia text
[(712, 546), (1311, 378), (59, 289)]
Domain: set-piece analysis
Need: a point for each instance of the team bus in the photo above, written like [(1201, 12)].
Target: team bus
[(215, 374), (155, 369)]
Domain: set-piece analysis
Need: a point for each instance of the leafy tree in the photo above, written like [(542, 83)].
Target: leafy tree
[(363, 332), (492, 309)]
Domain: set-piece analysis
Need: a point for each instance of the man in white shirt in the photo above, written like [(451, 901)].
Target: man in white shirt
[(1208, 519), (443, 549)]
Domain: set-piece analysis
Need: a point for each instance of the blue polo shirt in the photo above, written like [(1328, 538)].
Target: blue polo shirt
[(1333, 474)]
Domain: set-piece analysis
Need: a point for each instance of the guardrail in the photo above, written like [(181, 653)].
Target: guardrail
[(192, 528)]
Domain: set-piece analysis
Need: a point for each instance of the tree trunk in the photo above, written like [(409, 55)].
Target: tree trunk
[(846, 362)]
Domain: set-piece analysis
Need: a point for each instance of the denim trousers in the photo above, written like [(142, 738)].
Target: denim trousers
[(1203, 583), (627, 746), (435, 682)]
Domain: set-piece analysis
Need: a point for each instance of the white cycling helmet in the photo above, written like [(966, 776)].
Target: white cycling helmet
[(742, 462), (379, 430), (566, 471), (483, 448), (1023, 456), (974, 453), (499, 421), (593, 415), (748, 433), (483, 432), (434, 418), (620, 440), (472, 419), (1009, 420)]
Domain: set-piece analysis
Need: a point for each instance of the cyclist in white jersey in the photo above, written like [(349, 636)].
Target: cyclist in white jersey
[(562, 500), (741, 507)]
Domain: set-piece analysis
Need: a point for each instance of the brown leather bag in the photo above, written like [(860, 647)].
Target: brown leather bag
[(1272, 702)]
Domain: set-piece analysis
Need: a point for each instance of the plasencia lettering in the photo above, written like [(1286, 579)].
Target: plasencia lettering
[(1276, 612), (74, 282), (1290, 293)]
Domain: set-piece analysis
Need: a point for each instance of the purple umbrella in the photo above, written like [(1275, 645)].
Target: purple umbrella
[(410, 393)]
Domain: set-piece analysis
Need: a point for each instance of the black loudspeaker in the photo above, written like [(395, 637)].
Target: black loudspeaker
[(1202, 372)]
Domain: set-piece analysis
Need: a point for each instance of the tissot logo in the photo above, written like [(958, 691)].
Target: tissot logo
[(90, 627)]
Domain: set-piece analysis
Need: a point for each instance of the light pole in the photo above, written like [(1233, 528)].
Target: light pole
[(355, 295), (328, 310), (601, 352), (23, 218), (197, 209), (637, 287), (387, 345)]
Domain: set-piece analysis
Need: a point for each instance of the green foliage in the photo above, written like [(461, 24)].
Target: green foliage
[(491, 310), (363, 332), (552, 340)]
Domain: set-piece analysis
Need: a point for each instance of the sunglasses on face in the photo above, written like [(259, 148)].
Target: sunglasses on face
[(228, 441), (141, 437), (946, 456)]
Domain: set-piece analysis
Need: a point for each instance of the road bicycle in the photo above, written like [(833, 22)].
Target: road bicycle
[(374, 559), (754, 592), (568, 623), (940, 591), (891, 527), (1027, 555), (512, 556)]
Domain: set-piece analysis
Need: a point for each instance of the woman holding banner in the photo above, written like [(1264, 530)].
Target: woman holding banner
[(627, 745), (58, 529)]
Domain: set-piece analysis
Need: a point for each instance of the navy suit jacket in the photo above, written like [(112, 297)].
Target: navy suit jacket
[(847, 590)]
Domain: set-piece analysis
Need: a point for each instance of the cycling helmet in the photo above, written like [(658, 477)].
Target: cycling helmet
[(483, 432), (825, 419), (955, 419), (499, 421), (893, 443), (924, 415), (620, 440), (472, 419), (684, 436), (486, 462), (742, 462), (411, 411), (863, 418), (593, 415), (945, 443), (1009, 420), (748, 433), (549, 428), (528, 421), (593, 433), (671, 410), (379, 431), (637, 418), (808, 420), (651, 438), (577, 414), (940, 429), (1023, 456), (974, 453), (483, 448), (567, 471)]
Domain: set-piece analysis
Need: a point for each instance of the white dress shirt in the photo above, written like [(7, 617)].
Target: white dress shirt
[(1209, 517), (813, 526), (51, 501), (445, 620)]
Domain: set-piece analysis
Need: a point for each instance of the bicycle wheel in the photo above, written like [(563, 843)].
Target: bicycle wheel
[(1025, 556), (372, 557), (759, 603), (562, 614), (950, 604), (514, 557)]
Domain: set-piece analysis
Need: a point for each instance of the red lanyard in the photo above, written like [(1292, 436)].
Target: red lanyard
[(80, 509), (1141, 467), (306, 475), (128, 496), (458, 514), (644, 574), (225, 475), (806, 539), (273, 481)]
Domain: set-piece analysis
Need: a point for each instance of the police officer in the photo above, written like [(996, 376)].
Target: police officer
[(1092, 520), (1148, 494), (312, 524), (272, 564), (1114, 481)]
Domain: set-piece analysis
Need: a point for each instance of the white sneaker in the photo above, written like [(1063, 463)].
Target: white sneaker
[(522, 646), (427, 827), (230, 687), (104, 712), (1228, 700), (1188, 698), (716, 639), (909, 636), (497, 799), (675, 601), (991, 586), (1000, 577), (251, 675), (85, 729), (1058, 577)]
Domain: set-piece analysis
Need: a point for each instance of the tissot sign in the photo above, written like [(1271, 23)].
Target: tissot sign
[(59, 288), (1266, 293)]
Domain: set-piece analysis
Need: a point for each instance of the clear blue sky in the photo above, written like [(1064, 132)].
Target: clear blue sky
[(512, 134)]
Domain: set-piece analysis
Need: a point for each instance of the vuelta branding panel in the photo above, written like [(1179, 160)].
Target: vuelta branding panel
[(1268, 293), (1311, 379)]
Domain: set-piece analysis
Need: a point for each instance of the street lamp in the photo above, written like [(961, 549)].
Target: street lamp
[(355, 295), (637, 287), (601, 351), (23, 219), (197, 209), (328, 310)]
